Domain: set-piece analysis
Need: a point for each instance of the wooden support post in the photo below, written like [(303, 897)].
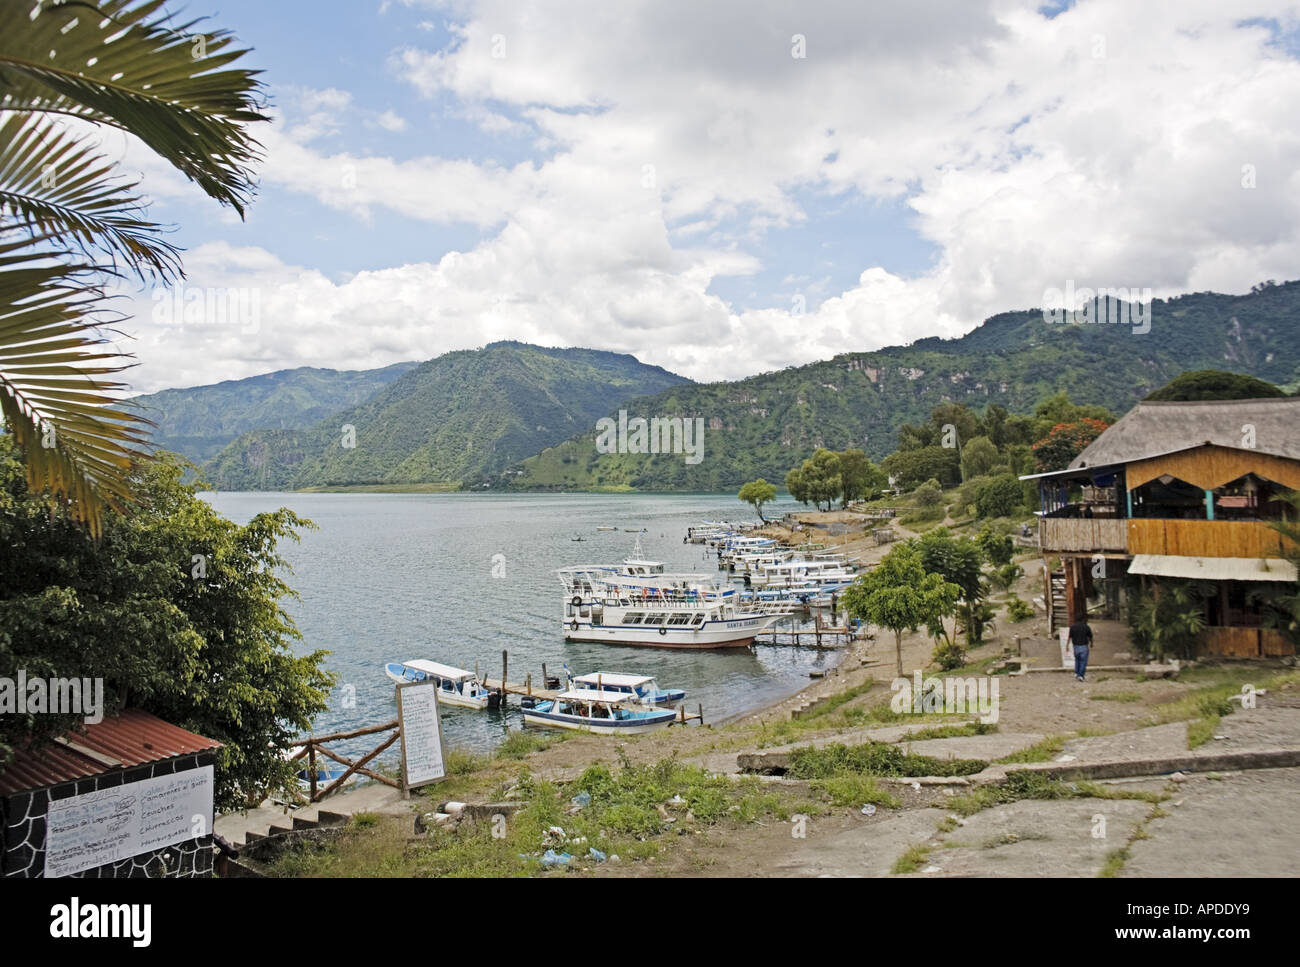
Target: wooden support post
[(528, 683), (505, 662), (312, 766), (546, 682), (700, 709)]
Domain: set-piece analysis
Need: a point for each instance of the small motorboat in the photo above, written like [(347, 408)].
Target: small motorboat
[(604, 527), (456, 686), (641, 688), (605, 713)]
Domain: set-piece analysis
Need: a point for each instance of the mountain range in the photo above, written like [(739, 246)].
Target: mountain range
[(516, 416), (466, 414)]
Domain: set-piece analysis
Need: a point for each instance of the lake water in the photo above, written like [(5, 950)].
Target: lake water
[(390, 577)]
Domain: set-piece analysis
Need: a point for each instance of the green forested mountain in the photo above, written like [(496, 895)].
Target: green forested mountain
[(463, 416), (200, 420), (764, 425)]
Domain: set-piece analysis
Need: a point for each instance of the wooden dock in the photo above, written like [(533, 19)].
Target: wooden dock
[(818, 636)]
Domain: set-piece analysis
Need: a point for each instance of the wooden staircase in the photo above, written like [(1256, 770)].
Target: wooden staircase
[(1057, 613)]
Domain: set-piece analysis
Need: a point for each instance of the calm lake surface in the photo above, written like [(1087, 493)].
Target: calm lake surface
[(390, 577)]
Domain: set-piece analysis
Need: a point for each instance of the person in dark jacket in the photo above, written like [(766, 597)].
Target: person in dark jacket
[(1081, 639)]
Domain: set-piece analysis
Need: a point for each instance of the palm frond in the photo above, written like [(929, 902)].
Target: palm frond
[(56, 184), (80, 446), (114, 62)]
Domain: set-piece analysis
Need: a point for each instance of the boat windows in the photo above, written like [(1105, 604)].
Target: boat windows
[(679, 619), (633, 617), (698, 619), (655, 619)]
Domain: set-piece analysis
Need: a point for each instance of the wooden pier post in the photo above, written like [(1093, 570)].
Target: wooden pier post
[(505, 666), (700, 708)]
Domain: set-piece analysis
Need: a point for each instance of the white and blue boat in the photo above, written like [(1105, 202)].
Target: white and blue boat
[(456, 686), (602, 712), (635, 688)]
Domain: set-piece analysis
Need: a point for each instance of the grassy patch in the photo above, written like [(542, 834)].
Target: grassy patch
[(912, 860), (951, 731), (519, 743), (1200, 731), (1044, 750), (1114, 864), (856, 790), (1118, 697), (874, 759)]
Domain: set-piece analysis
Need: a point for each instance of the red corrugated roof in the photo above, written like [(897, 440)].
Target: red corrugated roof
[(133, 738)]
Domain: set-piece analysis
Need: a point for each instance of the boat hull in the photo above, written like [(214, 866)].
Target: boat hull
[(556, 720), (732, 633)]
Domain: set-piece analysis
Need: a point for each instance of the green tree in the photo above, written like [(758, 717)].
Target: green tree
[(795, 485), (757, 493), (900, 595), (179, 611), (1214, 384), (929, 494), (859, 476), (69, 222), (997, 548), (818, 480), (999, 496), (958, 561), (912, 467), (978, 457)]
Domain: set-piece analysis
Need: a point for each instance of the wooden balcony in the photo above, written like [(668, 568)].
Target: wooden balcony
[(1204, 538), (1183, 538), (1092, 534)]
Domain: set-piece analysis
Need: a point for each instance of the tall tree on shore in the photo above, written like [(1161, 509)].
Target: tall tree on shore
[(69, 222), (899, 594), (757, 493)]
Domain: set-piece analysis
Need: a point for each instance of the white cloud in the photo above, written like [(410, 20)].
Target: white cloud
[(1106, 145)]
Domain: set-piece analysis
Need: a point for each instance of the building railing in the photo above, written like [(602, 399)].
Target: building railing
[(1182, 538)]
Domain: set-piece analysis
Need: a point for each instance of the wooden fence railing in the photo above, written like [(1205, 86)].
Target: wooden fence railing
[(316, 743)]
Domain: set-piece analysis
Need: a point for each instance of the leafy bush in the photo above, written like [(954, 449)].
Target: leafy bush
[(1018, 610), (999, 497)]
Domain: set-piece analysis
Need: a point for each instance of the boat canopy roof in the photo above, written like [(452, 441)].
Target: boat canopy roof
[(442, 671), (613, 678), (593, 695)]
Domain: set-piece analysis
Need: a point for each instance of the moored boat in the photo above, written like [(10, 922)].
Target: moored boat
[(456, 686), (602, 712), (639, 687)]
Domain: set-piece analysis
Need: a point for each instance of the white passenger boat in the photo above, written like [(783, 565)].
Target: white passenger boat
[(602, 712), (641, 688), (456, 686), (662, 617)]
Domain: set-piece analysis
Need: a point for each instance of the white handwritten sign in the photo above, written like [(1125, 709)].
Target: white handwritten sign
[(83, 832), (417, 710)]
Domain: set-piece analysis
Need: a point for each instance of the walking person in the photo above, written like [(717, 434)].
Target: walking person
[(1081, 639)]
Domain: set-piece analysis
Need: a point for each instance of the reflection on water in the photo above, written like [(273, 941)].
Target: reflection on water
[(390, 577)]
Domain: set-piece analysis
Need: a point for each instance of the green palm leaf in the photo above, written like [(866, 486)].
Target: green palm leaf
[(79, 444), (54, 184), (115, 63)]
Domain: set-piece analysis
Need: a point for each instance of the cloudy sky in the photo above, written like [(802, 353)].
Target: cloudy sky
[(728, 187)]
